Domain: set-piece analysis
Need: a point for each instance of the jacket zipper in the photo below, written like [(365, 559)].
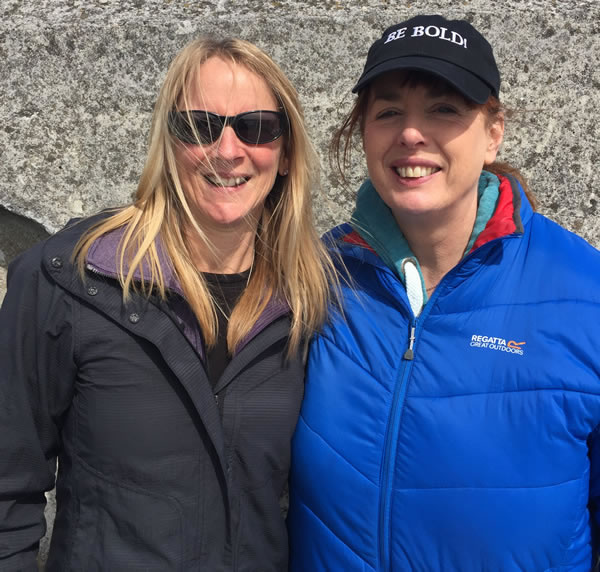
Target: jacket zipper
[(389, 458), (94, 270), (392, 433), (97, 272), (409, 354)]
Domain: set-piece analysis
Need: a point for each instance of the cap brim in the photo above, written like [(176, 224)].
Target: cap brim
[(462, 80)]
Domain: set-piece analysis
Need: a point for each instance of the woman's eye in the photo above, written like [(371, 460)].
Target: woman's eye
[(386, 113), (445, 109)]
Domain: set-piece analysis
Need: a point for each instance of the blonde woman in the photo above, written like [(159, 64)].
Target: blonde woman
[(156, 350)]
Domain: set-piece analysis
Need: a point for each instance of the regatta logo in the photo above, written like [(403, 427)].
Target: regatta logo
[(497, 344)]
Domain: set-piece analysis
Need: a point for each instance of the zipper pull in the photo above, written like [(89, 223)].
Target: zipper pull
[(409, 354)]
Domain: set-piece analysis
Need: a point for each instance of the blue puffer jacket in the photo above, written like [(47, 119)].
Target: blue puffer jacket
[(482, 451)]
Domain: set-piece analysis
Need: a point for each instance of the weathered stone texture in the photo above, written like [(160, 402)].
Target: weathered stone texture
[(16, 234), (78, 82)]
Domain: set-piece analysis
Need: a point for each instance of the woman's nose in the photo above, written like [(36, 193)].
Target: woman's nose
[(228, 145), (411, 132)]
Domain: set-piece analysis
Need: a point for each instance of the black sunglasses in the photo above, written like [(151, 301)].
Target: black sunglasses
[(254, 127)]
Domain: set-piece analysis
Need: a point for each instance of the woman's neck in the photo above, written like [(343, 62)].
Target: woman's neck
[(229, 250), (439, 245)]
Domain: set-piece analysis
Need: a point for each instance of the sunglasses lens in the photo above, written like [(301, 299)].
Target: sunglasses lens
[(201, 127), (195, 127), (257, 127)]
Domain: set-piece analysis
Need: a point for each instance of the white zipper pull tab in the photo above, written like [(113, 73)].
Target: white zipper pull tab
[(409, 354)]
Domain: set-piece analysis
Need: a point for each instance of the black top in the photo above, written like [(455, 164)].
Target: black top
[(226, 289)]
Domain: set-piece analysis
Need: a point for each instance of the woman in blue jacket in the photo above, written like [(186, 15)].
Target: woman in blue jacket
[(451, 416)]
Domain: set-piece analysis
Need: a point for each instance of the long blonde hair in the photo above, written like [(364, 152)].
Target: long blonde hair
[(290, 261)]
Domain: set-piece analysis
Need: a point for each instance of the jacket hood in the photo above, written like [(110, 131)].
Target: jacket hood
[(373, 226)]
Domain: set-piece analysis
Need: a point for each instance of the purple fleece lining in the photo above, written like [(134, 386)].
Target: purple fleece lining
[(102, 256), (275, 309)]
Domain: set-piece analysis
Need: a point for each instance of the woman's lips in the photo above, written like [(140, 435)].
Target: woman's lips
[(225, 181), (414, 176), (416, 171)]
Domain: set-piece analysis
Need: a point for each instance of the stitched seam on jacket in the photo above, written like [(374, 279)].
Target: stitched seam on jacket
[(488, 488), (358, 364), (519, 305), (73, 481), (121, 485), (337, 452), (518, 391), (337, 537)]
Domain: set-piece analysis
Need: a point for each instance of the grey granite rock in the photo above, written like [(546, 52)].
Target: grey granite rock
[(16, 234), (78, 82), (2, 281), (80, 79)]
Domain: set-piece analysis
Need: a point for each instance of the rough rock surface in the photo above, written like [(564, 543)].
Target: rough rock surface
[(16, 234), (78, 82)]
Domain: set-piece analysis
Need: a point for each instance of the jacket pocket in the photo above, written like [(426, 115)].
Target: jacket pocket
[(124, 527)]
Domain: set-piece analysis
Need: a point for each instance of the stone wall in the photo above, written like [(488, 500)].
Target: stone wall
[(78, 82), (16, 234)]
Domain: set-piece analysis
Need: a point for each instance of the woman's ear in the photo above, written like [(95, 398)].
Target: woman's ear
[(495, 137), (283, 169)]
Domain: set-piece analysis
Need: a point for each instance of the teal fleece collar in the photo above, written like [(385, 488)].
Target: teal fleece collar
[(375, 223)]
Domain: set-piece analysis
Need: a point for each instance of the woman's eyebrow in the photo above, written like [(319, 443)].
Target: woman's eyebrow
[(390, 94), (439, 91)]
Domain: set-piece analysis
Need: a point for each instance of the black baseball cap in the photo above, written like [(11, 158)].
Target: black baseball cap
[(451, 49)]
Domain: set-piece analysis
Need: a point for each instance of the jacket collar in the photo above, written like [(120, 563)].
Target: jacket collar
[(103, 258), (375, 226)]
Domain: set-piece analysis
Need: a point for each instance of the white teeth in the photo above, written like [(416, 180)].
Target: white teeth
[(222, 182), (415, 172)]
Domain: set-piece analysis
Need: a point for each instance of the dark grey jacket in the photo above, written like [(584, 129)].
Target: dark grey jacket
[(151, 476)]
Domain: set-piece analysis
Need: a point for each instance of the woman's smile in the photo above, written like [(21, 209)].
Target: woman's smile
[(425, 150), (226, 181)]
